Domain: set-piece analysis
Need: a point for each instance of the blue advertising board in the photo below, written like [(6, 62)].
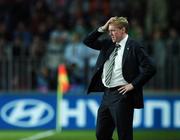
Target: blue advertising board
[(27, 111), (159, 112), (80, 112)]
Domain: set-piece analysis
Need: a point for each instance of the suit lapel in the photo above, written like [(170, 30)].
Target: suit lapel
[(126, 51), (109, 51)]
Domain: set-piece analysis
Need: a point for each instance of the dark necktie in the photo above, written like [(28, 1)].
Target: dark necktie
[(111, 65)]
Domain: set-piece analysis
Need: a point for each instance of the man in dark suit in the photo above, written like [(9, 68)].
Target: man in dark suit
[(122, 68)]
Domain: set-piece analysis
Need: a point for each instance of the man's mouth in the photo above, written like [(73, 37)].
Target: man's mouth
[(112, 38)]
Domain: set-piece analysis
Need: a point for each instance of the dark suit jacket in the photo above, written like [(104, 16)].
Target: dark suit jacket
[(137, 67)]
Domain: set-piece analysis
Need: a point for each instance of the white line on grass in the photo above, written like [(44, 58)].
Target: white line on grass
[(40, 135)]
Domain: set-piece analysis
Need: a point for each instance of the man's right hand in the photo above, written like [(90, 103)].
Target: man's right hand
[(105, 26)]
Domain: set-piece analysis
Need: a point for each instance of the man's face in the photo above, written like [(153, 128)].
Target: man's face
[(115, 33)]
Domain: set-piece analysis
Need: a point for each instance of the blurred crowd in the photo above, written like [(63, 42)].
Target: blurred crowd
[(41, 34)]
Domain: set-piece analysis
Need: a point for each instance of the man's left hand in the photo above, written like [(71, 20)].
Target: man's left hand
[(124, 89)]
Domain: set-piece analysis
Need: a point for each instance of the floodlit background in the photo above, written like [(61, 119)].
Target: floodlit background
[(38, 35)]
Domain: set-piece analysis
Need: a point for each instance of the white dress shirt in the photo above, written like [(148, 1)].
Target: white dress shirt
[(117, 78)]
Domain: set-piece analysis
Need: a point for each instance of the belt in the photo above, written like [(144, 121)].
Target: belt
[(113, 88)]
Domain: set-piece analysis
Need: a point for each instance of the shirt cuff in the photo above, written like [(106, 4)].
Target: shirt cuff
[(100, 30)]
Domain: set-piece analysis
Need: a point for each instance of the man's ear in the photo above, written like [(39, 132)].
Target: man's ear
[(123, 29)]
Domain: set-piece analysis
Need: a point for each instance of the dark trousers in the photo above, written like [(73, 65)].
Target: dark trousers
[(116, 111)]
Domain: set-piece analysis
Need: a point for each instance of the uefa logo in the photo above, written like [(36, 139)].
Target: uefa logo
[(27, 113)]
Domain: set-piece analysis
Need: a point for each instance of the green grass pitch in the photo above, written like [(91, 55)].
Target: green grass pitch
[(89, 135)]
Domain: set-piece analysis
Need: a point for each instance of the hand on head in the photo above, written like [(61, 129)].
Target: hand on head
[(105, 26)]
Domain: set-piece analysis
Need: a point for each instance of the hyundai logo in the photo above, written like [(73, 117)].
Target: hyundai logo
[(27, 113)]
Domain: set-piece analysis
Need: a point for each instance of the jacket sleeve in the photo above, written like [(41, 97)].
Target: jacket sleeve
[(92, 40), (146, 66)]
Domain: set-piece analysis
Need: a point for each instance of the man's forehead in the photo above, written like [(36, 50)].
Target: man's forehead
[(113, 27)]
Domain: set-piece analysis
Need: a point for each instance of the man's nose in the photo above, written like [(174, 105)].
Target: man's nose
[(110, 33)]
